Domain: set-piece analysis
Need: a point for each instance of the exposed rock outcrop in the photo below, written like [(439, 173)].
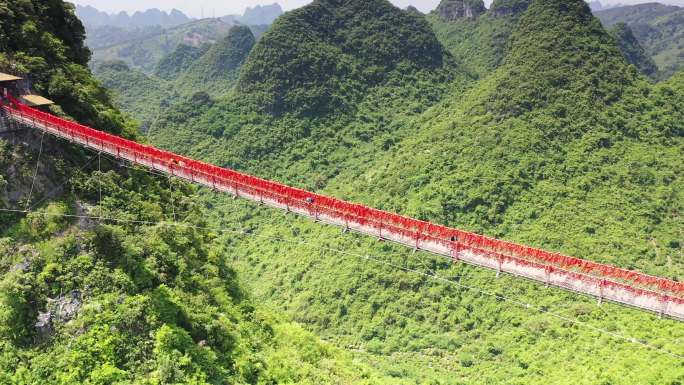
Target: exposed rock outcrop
[(26, 254), (503, 8), (59, 310), (83, 210), (450, 10)]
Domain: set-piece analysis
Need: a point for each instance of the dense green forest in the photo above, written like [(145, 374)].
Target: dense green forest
[(530, 125), (528, 122), (147, 295)]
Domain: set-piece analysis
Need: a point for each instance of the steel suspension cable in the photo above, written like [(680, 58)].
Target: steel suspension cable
[(60, 186), (35, 173)]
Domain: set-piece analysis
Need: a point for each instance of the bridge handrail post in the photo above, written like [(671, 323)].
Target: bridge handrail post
[(499, 265), (665, 300), (455, 251)]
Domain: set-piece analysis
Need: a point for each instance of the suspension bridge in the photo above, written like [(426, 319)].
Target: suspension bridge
[(659, 295)]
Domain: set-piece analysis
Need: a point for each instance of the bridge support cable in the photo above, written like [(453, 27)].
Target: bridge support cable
[(628, 287), (99, 178), (172, 198), (35, 173), (61, 185)]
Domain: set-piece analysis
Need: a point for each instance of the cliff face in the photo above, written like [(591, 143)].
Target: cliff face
[(450, 10), (502, 8)]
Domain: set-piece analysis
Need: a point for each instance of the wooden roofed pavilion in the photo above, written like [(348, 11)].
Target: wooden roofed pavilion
[(8, 78), (36, 100)]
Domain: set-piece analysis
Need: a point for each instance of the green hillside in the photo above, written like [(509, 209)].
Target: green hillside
[(185, 72), (217, 70), (501, 8), (658, 28), (544, 149), (144, 52), (331, 110), (178, 61), (323, 57), (129, 299), (143, 97), (478, 43), (636, 14), (560, 144)]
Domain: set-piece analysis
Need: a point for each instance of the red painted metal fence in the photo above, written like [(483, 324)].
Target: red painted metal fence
[(626, 286)]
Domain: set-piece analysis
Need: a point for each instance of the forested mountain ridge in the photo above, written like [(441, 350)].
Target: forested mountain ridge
[(543, 100), (478, 42), (344, 84), (658, 28), (211, 70), (91, 17), (569, 63), (633, 52), (560, 144), (217, 69), (146, 48), (478, 37), (131, 300), (338, 43)]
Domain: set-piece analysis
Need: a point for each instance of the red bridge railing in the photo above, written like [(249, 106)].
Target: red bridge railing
[(403, 228)]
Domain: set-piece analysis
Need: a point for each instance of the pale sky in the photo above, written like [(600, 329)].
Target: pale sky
[(209, 8)]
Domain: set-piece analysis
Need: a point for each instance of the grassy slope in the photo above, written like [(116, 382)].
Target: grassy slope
[(564, 146)]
